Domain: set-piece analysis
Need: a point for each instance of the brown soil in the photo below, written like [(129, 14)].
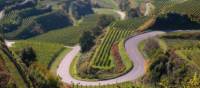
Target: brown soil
[(120, 67)]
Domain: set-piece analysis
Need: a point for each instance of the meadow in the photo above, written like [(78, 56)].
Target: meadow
[(46, 53)]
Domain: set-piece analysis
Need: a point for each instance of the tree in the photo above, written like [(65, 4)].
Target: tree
[(96, 31), (133, 12), (28, 55), (104, 20), (80, 8), (86, 41)]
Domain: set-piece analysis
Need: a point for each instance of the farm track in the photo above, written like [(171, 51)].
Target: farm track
[(9, 43), (131, 46), (122, 14)]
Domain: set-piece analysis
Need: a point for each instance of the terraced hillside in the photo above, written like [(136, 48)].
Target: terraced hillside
[(189, 8), (68, 35), (118, 31), (23, 21), (43, 31), (185, 13), (23, 73), (106, 58), (189, 48), (175, 54), (10, 75)]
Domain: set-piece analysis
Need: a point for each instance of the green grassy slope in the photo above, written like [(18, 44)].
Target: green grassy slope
[(58, 59), (46, 53), (69, 35), (13, 71), (173, 62), (190, 8)]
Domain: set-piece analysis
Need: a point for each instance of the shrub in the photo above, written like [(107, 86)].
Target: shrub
[(28, 55), (87, 41)]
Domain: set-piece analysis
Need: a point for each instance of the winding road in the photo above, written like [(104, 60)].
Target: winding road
[(131, 46)]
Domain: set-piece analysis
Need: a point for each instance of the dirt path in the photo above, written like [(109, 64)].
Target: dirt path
[(122, 14), (9, 43)]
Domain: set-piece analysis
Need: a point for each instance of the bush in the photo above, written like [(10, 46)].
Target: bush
[(158, 67), (28, 55), (102, 22), (86, 41), (175, 21), (81, 8)]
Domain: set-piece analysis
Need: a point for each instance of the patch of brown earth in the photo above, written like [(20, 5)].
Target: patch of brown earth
[(120, 67)]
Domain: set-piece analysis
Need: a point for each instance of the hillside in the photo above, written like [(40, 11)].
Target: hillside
[(185, 13), (169, 62), (99, 43), (189, 8), (23, 19), (17, 73), (10, 76)]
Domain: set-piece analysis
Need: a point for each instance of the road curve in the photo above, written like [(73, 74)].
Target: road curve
[(131, 46)]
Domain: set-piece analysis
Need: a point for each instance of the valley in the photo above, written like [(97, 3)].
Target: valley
[(99, 44)]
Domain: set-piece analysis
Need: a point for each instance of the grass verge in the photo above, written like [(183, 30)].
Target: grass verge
[(58, 59), (45, 52), (125, 58)]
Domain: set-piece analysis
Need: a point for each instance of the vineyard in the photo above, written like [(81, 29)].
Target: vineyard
[(186, 45), (46, 52), (16, 33), (190, 55), (188, 50), (68, 35), (25, 27), (190, 8), (26, 22), (175, 56), (117, 31), (83, 42), (162, 5)]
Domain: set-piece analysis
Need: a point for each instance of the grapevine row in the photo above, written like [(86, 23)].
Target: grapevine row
[(118, 30)]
